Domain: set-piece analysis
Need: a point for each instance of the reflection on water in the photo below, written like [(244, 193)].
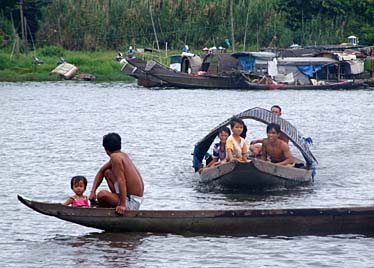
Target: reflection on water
[(268, 196), (107, 239), (52, 131), (107, 247)]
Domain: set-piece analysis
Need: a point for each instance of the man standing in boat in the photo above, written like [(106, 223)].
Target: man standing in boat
[(123, 178)]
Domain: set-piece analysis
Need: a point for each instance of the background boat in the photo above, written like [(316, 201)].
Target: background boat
[(143, 79), (216, 71)]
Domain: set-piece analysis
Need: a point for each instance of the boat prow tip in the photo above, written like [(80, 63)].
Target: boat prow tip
[(23, 200)]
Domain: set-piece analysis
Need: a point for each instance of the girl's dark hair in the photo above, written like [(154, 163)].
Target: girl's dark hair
[(241, 122), (236, 120), (224, 129), (77, 179)]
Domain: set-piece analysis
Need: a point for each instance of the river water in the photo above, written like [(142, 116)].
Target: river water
[(50, 132)]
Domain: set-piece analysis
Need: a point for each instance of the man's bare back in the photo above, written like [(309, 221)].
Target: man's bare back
[(122, 177), (121, 163)]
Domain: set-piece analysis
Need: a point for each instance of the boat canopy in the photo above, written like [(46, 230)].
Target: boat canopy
[(266, 117), (298, 52), (191, 64), (307, 65), (219, 63), (248, 60)]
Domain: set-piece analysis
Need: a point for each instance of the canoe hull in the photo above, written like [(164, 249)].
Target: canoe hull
[(290, 222), (256, 175), (143, 78), (185, 80)]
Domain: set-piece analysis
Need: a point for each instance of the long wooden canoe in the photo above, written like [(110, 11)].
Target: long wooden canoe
[(273, 222), (256, 175)]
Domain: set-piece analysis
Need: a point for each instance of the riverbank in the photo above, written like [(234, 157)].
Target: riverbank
[(19, 68)]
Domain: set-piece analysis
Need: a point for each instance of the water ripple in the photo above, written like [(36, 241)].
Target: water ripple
[(52, 131)]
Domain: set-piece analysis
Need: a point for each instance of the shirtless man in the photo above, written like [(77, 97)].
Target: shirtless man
[(255, 146), (123, 178), (277, 149)]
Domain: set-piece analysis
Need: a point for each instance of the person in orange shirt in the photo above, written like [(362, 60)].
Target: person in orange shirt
[(236, 148)]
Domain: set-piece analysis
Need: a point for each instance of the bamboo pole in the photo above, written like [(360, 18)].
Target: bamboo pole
[(25, 40), (232, 25), (22, 23), (154, 30), (16, 38), (246, 26)]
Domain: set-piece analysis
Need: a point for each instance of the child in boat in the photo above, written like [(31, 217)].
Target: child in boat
[(236, 148), (276, 149), (78, 184), (219, 149)]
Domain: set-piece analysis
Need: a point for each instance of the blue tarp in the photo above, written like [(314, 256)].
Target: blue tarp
[(247, 62), (309, 70)]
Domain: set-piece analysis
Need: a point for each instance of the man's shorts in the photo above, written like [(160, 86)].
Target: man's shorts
[(133, 202)]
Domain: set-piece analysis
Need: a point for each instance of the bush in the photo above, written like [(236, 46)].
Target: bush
[(4, 61), (52, 51)]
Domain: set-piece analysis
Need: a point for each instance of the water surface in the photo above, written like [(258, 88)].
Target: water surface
[(52, 131)]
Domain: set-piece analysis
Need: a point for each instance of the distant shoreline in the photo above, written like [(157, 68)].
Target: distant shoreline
[(21, 69)]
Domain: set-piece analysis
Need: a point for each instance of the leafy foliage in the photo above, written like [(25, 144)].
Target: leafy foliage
[(116, 24)]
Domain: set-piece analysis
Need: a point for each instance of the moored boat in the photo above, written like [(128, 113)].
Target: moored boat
[(272, 222), (232, 78), (216, 72), (143, 79)]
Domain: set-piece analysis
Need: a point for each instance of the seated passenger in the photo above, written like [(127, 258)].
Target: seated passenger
[(276, 149), (78, 184), (219, 149), (236, 149), (255, 146)]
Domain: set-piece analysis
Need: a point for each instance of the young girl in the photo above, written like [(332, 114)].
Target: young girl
[(219, 149), (78, 184), (235, 144)]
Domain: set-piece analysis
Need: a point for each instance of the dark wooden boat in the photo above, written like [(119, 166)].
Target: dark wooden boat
[(212, 76), (272, 222), (258, 174), (255, 175), (326, 85), (235, 79), (143, 79)]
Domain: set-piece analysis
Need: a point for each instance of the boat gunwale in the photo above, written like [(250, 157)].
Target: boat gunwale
[(241, 213)]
